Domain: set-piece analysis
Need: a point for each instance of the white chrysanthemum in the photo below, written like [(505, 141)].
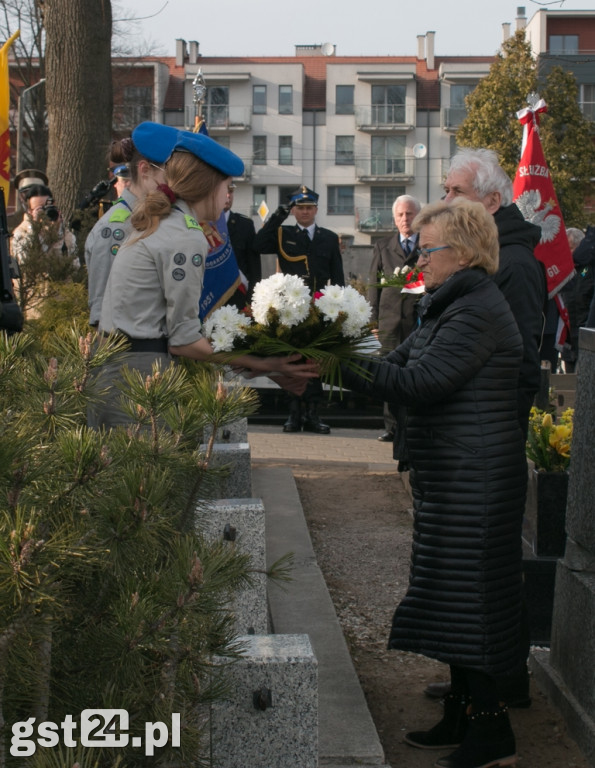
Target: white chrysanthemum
[(288, 294), (222, 340), (358, 312), (331, 301), (224, 326)]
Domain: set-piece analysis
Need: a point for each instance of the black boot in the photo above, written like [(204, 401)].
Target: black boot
[(488, 743), (294, 422), (449, 732), (312, 421)]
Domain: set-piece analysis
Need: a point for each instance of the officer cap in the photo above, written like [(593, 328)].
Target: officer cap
[(303, 196), (121, 171), (155, 141), (29, 177), (210, 152)]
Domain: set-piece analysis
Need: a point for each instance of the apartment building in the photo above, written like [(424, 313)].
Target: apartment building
[(566, 38), (358, 130)]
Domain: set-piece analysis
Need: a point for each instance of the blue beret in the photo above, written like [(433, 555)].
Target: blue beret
[(303, 196), (155, 141), (210, 152)]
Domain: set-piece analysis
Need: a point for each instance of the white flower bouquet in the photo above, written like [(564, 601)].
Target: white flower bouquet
[(330, 327)]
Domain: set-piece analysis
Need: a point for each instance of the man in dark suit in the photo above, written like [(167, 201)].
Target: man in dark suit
[(313, 253), (392, 310), (241, 235)]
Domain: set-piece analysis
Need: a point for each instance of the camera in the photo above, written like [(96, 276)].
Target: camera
[(50, 210)]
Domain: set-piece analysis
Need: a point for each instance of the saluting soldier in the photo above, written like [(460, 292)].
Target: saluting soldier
[(313, 253)]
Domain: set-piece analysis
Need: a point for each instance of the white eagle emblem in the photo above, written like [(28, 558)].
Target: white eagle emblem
[(529, 205)]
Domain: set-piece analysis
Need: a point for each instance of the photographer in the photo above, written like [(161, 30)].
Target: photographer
[(44, 249), (42, 226)]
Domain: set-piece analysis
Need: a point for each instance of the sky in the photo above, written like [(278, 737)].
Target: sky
[(356, 27)]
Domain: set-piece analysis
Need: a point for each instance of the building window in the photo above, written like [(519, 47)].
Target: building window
[(259, 99), (388, 155), (344, 100), (137, 106), (388, 104), (285, 194), (344, 154), (285, 150), (223, 140), (380, 214), (457, 112), (216, 109), (259, 195), (259, 150), (563, 44), (286, 100), (587, 100), (340, 201)]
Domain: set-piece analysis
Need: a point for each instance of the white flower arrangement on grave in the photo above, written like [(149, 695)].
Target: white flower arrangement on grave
[(330, 327)]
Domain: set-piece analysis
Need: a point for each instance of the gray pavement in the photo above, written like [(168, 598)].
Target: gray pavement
[(347, 734), (351, 446)]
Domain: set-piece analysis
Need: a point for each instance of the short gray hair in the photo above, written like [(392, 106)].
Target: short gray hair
[(574, 236), (407, 199), (488, 175)]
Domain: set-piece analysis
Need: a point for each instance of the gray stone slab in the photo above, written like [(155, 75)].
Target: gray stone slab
[(280, 728), (236, 432), (241, 523), (347, 734), (580, 722), (236, 481), (580, 512)]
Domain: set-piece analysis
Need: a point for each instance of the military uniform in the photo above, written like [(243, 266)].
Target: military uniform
[(242, 235), (101, 246), (317, 259)]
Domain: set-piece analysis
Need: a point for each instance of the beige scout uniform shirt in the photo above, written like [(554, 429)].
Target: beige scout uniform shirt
[(101, 246), (155, 283)]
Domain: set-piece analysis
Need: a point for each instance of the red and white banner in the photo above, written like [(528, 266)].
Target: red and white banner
[(534, 194)]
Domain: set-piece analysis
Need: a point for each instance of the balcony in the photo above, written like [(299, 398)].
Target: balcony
[(220, 119), (377, 169), (395, 118), (452, 117), (374, 220)]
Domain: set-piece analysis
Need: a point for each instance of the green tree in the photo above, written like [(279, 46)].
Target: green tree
[(565, 133), (567, 140), (491, 117), (109, 596)]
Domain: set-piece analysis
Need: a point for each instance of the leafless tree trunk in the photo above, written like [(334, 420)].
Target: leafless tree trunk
[(79, 95)]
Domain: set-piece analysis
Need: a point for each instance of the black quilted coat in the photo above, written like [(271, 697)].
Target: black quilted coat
[(457, 374)]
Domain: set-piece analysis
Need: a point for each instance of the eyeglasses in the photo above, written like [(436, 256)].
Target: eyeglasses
[(426, 252)]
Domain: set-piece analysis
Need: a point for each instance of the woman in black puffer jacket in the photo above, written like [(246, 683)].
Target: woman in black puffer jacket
[(458, 375)]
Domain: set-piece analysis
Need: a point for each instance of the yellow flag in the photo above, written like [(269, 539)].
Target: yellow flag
[(4, 112)]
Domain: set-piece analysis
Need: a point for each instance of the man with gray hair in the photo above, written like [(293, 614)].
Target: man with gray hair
[(476, 174), (393, 311)]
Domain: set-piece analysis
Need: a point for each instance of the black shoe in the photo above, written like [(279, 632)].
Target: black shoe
[(449, 732), (387, 437), (488, 743), (292, 424), (315, 425)]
